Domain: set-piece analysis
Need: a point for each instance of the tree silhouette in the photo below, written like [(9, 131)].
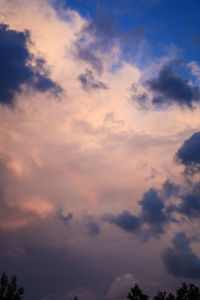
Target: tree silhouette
[(9, 289), (194, 292), (182, 292), (163, 296), (136, 294), (170, 296), (160, 296), (185, 292), (190, 292)]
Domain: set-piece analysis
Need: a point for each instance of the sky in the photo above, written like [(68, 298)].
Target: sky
[(99, 146)]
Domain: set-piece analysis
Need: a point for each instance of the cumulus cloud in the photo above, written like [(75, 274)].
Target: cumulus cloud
[(151, 221), (188, 154), (189, 205), (121, 285), (100, 42), (180, 260), (88, 154), (152, 212), (125, 221), (169, 88), (16, 66), (97, 36), (104, 29)]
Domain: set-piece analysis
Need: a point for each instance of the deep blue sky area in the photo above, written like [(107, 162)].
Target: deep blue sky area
[(167, 23)]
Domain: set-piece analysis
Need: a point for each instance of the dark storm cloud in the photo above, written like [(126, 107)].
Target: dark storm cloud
[(180, 261), (152, 212), (125, 221), (64, 218), (89, 82), (189, 153), (15, 68), (169, 88)]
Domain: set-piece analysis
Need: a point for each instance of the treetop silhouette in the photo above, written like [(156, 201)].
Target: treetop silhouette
[(9, 289), (185, 292)]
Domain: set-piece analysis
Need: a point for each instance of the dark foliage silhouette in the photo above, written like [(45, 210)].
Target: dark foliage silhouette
[(137, 294), (190, 292), (9, 289), (163, 296), (160, 296), (185, 292)]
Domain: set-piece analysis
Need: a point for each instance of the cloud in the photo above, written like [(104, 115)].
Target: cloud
[(87, 55), (16, 66), (121, 285), (93, 228), (64, 218), (37, 205), (180, 260), (89, 154), (151, 221), (190, 202), (104, 30), (169, 189), (189, 154), (169, 88), (19, 210), (125, 221), (190, 206), (152, 212), (195, 69), (97, 43), (88, 81)]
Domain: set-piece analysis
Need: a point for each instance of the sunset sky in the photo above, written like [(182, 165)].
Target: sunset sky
[(99, 146)]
